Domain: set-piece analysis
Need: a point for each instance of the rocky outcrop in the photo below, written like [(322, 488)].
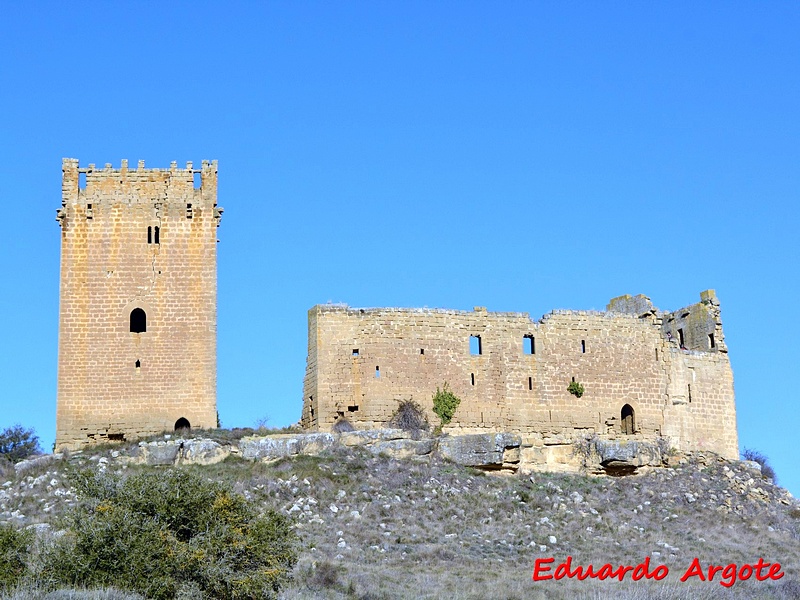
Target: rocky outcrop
[(481, 449)]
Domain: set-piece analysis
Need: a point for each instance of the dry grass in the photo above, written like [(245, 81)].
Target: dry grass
[(405, 529)]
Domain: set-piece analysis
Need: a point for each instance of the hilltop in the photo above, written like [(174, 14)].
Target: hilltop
[(375, 527)]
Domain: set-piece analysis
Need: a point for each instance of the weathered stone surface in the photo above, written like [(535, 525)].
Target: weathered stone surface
[(402, 448), (154, 454), (646, 373), (631, 453), (203, 452), (138, 256), (362, 438), (279, 446), (481, 449)]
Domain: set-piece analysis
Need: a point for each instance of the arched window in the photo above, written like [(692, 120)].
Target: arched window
[(182, 423), (627, 420), (138, 321)]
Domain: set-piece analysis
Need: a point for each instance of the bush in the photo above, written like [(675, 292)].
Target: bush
[(766, 469), (13, 555), (409, 416), (576, 389), (445, 404), (18, 443), (167, 533)]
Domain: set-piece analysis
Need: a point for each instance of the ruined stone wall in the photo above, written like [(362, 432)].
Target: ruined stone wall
[(362, 362), (136, 239)]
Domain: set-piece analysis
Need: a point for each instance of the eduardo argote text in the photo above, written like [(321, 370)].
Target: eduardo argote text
[(726, 575)]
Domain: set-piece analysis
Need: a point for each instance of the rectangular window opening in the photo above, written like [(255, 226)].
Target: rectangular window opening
[(149, 235), (116, 437), (475, 346), (82, 181), (472, 378), (355, 351), (530, 383), (583, 346), (197, 178), (89, 211), (377, 371), (690, 392), (188, 211), (138, 365), (422, 350), (352, 408), (711, 342), (528, 344), (680, 338), (156, 236)]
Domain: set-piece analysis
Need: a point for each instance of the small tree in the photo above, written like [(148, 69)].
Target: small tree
[(18, 443), (445, 403), (576, 389)]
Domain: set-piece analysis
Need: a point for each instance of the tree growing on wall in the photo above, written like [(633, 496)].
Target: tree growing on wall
[(445, 403)]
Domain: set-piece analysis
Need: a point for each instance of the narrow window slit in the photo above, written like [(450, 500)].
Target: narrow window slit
[(528, 344), (157, 228), (583, 346), (530, 383), (377, 371), (472, 378), (475, 347), (711, 343), (149, 235)]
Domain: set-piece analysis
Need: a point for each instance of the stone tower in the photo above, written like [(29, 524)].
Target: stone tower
[(138, 310)]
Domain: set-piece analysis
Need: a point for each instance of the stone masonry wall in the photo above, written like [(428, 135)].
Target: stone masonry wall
[(362, 362), (136, 239)]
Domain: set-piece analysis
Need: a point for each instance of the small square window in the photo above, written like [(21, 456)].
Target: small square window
[(355, 351)]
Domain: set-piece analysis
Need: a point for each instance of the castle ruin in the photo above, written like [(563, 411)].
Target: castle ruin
[(138, 301), (646, 374)]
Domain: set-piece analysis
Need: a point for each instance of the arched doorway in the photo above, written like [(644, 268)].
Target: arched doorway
[(182, 423), (628, 420)]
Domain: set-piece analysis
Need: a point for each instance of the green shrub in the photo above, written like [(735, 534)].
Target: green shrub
[(576, 389), (164, 533), (409, 416), (18, 443), (13, 555), (445, 404)]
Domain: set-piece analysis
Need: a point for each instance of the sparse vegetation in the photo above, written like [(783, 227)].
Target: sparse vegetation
[(576, 389), (409, 416), (18, 443), (445, 403), (767, 472), (342, 426)]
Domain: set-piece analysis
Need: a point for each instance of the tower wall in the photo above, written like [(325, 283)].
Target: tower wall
[(136, 239)]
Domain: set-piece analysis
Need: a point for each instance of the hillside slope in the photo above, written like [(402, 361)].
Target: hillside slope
[(373, 527)]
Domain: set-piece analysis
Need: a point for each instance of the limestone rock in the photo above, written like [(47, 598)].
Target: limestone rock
[(279, 446), (480, 449)]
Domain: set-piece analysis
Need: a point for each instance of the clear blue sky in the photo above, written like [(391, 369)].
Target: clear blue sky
[(520, 156)]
